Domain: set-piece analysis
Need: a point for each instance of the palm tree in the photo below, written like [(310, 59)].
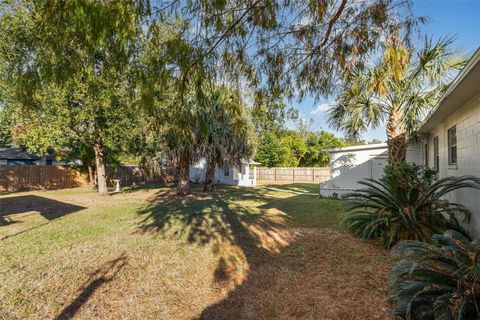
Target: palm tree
[(180, 141), (228, 134), (399, 90)]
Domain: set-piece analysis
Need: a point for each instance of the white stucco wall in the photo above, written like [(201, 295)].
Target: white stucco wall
[(348, 165), (467, 122)]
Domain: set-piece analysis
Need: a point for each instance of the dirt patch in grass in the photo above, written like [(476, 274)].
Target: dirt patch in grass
[(242, 253)]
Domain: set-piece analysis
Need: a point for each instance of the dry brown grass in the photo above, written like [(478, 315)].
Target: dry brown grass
[(146, 254)]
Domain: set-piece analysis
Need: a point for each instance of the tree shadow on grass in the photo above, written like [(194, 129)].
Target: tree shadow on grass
[(99, 277), (19, 209), (295, 187), (48, 208), (222, 220), (296, 264)]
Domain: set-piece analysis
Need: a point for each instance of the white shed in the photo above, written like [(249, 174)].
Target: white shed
[(350, 164), (244, 174)]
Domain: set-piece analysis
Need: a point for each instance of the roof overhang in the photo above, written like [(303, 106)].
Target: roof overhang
[(244, 161), (464, 87), (357, 148)]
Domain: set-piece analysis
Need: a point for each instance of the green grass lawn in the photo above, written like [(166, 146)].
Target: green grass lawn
[(242, 253)]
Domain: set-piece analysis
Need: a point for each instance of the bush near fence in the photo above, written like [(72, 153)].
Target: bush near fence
[(296, 174)]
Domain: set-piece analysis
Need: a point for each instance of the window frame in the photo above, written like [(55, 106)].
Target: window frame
[(426, 153), (452, 145), (436, 154)]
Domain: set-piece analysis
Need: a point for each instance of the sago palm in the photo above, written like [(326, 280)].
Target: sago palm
[(394, 209), (437, 281), (398, 90)]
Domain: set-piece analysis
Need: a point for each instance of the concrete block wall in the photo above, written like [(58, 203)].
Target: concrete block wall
[(467, 122)]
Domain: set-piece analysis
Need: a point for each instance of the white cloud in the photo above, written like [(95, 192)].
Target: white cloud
[(321, 108)]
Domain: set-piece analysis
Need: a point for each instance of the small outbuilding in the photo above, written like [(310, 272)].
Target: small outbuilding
[(350, 164), (243, 174)]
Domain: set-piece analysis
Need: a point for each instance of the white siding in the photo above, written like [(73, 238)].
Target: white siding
[(234, 177)]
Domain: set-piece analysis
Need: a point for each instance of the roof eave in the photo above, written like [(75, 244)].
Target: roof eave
[(472, 70)]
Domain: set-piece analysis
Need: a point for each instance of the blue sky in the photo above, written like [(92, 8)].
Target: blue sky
[(459, 18)]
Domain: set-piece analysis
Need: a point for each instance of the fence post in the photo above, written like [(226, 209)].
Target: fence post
[(275, 177)]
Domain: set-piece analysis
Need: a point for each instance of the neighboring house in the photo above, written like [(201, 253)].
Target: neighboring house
[(244, 174), (351, 164), (15, 156), (450, 137)]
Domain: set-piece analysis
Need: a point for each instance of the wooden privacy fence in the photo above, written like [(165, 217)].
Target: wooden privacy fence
[(21, 178), (303, 174), (35, 177), (133, 175)]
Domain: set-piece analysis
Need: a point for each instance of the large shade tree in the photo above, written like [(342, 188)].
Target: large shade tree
[(290, 47), (83, 51), (397, 91)]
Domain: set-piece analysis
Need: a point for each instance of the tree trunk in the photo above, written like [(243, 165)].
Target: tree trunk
[(91, 175), (183, 187), (397, 142), (101, 170), (209, 175)]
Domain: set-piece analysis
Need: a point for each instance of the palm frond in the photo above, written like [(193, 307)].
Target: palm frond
[(406, 207), (437, 280)]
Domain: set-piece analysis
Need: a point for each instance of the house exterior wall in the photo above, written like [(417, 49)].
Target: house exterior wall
[(467, 122)]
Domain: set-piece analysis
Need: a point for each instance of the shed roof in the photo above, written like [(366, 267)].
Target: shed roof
[(19, 154), (357, 148), (244, 161)]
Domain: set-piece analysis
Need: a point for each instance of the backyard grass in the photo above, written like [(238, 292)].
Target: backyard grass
[(304, 187), (242, 253)]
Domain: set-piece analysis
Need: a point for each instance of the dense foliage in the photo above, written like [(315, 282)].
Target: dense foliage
[(69, 74), (289, 148), (406, 204), (437, 281)]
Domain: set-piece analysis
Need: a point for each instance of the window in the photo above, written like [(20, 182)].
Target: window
[(452, 145), (426, 154), (226, 171), (436, 156)]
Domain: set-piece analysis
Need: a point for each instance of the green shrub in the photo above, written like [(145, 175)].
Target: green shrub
[(406, 204), (437, 281)]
